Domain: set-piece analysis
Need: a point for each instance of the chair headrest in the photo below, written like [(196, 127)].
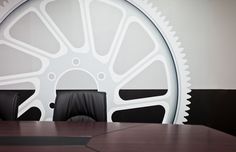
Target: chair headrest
[(74, 103)]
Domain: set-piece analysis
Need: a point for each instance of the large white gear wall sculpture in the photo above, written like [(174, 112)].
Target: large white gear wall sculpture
[(108, 45)]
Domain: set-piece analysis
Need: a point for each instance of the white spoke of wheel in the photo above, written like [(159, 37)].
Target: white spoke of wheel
[(45, 93), (30, 104), (29, 47), (138, 69), (153, 101), (44, 63), (85, 47), (117, 37), (86, 26), (46, 96), (31, 101), (86, 4), (167, 100), (166, 97), (142, 103), (34, 81), (87, 22), (117, 46)]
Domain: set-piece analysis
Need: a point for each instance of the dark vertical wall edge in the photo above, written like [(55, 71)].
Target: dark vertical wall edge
[(213, 108)]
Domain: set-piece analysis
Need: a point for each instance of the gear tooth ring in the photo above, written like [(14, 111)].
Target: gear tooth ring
[(101, 44)]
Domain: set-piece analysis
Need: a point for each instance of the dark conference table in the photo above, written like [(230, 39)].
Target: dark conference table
[(29, 136)]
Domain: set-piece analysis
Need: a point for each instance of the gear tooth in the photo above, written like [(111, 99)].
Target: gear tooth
[(187, 114), (187, 73), (178, 43), (186, 67), (176, 38), (163, 18), (181, 49), (188, 84), (187, 109), (155, 9), (187, 105), (145, 1), (158, 14), (184, 61), (188, 79), (189, 91), (167, 24), (183, 55), (188, 96), (188, 102), (184, 120), (173, 33), (150, 4), (170, 28)]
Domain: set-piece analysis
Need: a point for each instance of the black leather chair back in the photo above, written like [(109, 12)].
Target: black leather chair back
[(8, 105), (85, 104)]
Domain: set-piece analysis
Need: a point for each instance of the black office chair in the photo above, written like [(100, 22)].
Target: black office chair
[(80, 106), (9, 102)]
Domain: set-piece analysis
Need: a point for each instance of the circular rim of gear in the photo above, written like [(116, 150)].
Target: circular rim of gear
[(169, 36)]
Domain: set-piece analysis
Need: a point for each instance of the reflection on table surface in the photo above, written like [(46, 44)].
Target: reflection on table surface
[(117, 137)]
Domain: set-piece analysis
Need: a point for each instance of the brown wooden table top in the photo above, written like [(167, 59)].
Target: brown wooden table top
[(119, 137)]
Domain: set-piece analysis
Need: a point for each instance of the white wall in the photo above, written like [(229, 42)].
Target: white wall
[(207, 30)]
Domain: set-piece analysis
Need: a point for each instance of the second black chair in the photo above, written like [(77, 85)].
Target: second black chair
[(82, 106)]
